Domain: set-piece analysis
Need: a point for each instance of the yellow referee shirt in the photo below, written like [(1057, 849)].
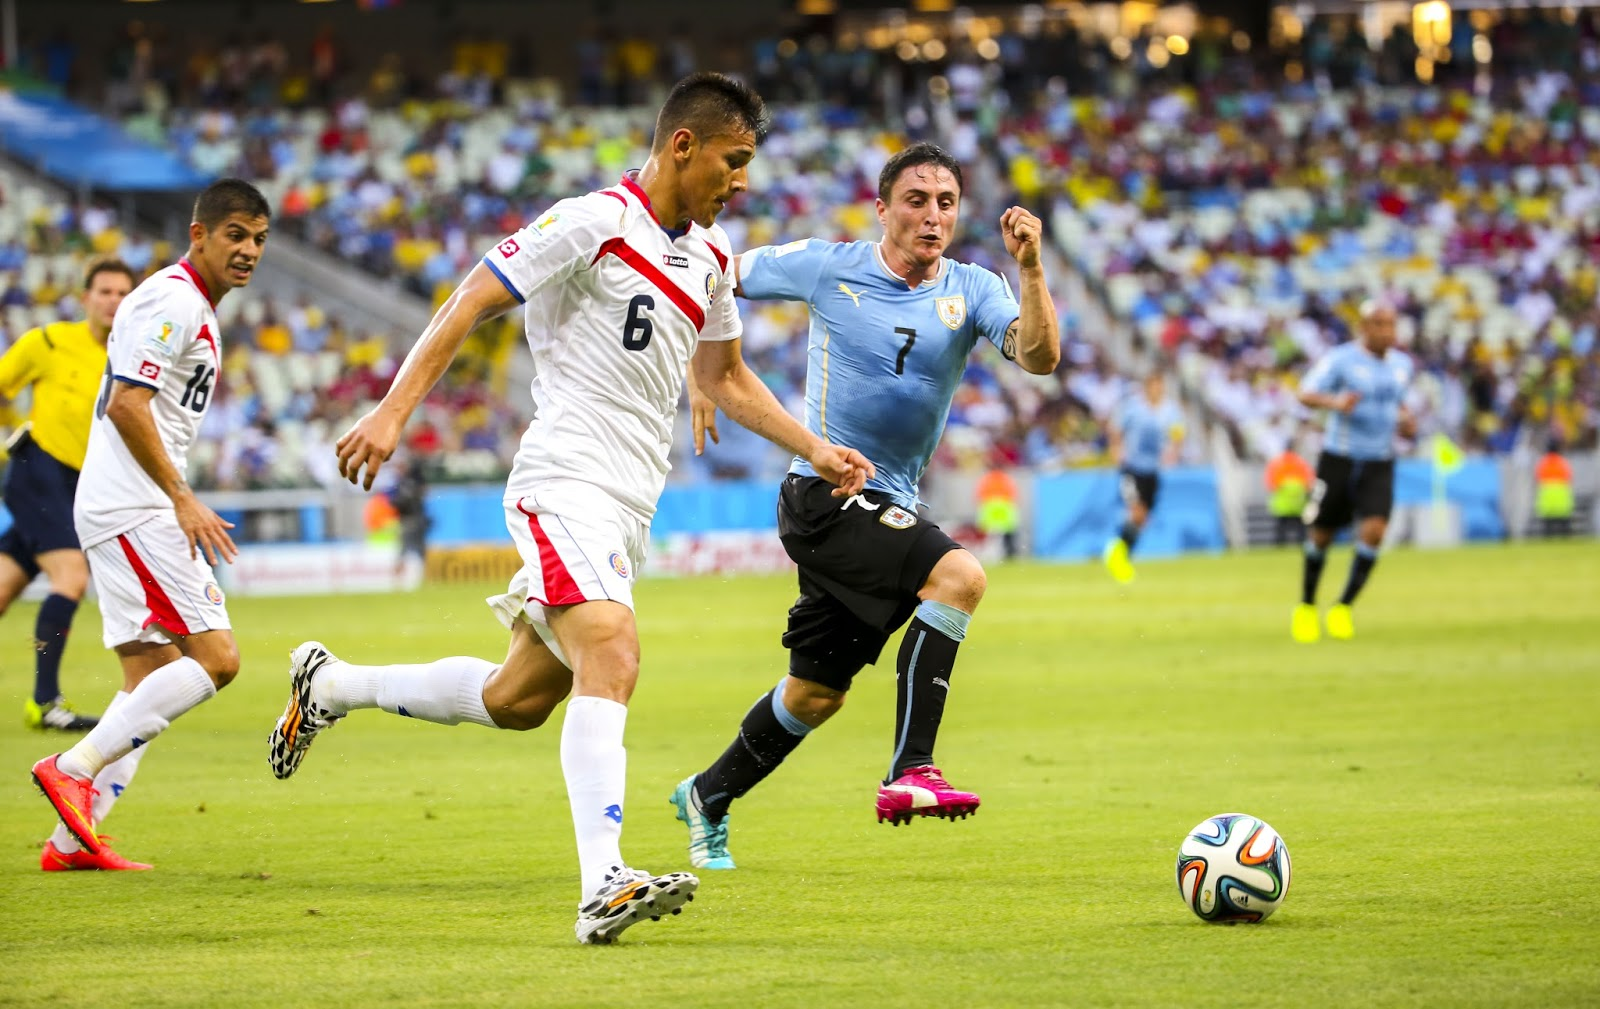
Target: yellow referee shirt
[(64, 363)]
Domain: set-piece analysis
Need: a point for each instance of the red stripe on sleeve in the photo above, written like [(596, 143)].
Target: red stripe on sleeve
[(162, 613), (646, 269), (722, 260)]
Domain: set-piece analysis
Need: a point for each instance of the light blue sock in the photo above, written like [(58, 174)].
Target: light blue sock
[(945, 619)]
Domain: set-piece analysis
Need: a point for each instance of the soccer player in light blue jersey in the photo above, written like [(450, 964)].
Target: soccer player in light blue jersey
[(1362, 384), (1145, 434), (892, 325)]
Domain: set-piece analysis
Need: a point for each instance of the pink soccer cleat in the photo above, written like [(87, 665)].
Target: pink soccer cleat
[(922, 791)]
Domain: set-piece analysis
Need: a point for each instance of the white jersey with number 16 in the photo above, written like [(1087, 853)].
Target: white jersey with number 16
[(164, 337), (616, 304)]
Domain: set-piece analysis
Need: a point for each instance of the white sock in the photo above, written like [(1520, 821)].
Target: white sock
[(596, 768), (448, 691), (145, 714), (109, 785)]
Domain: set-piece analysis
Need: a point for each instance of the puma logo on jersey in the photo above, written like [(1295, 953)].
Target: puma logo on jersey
[(857, 499), (855, 296)]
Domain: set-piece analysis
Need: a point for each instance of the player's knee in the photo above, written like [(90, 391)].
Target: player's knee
[(957, 580), (221, 662), (811, 702)]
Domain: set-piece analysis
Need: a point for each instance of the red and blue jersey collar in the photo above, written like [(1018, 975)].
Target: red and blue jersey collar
[(631, 184)]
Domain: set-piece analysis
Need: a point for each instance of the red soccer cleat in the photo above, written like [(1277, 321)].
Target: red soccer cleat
[(922, 791), (73, 799), (53, 859)]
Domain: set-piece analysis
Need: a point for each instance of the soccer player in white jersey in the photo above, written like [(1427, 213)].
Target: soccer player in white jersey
[(620, 286), (151, 543)]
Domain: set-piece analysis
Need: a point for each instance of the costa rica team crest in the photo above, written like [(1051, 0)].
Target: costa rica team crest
[(711, 287), (619, 563), (214, 593), (952, 311)]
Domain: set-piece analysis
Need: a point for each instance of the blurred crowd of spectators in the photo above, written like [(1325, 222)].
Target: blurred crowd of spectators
[(1231, 226)]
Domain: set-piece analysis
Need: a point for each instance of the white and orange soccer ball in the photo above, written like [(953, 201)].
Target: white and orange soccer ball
[(1233, 868)]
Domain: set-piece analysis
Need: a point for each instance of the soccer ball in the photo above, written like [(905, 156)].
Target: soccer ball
[(1233, 868)]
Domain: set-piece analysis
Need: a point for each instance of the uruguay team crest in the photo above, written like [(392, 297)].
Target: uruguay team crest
[(619, 564), (898, 518), (952, 311)]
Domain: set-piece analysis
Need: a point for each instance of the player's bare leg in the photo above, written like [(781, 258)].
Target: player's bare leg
[(68, 574), (161, 682), (915, 786), (601, 641)]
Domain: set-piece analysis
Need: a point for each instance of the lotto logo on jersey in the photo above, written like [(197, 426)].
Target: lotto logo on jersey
[(619, 564), (150, 370), (681, 262), (508, 248)]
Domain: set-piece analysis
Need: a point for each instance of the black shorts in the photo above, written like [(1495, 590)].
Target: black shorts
[(862, 562), (1350, 490), (39, 493), (1140, 488)]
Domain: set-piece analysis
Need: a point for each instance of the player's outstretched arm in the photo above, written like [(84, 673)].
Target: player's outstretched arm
[(370, 443), (720, 373), (128, 408), (703, 416), (1034, 340)]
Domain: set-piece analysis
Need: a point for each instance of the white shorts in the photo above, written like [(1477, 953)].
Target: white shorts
[(150, 589), (578, 544)]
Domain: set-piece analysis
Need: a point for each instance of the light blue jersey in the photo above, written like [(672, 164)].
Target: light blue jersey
[(1146, 429), (884, 360), (1367, 432)]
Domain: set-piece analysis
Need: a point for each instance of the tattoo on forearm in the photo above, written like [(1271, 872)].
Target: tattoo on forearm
[(1008, 346)]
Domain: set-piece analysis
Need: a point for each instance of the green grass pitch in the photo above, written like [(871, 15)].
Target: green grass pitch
[(1437, 782)]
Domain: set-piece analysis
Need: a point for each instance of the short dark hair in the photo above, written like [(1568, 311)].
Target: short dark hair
[(911, 157), (107, 264), (225, 197), (708, 103)]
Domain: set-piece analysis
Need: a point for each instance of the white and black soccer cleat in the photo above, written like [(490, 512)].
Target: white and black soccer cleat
[(302, 718), (630, 896)]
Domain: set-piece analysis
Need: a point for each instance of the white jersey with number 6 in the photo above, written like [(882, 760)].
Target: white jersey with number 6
[(164, 337), (616, 304)]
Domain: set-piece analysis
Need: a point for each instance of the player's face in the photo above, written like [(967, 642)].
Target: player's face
[(105, 293), (919, 221), (232, 249), (1380, 330), (1155, 388), (717, 169)]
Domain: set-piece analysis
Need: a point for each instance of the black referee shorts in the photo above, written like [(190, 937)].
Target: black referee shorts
[(862, 562), (1350, 490), (39, 491)]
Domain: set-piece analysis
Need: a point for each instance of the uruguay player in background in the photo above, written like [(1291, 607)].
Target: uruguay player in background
[(1145, 435), (63, 363), (1363, 386), (892, 326)]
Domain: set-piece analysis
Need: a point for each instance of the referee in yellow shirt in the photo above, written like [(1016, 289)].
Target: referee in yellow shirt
[(64, 363)]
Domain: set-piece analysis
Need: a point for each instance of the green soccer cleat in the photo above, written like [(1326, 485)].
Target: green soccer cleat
[(708, 840), (1341, 627), (1118, 561), (1305, 627), (58, 715)]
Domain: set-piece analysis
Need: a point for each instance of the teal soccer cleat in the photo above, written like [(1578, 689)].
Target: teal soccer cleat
[(708, 839)]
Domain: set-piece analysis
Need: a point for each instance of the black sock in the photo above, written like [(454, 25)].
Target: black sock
[(1129, 534), (1360, 568), (50, 634), (926, 658), (762, 743), (1315, 559)]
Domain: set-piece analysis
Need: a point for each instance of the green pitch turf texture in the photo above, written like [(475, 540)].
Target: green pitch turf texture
[(1437, 782)]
